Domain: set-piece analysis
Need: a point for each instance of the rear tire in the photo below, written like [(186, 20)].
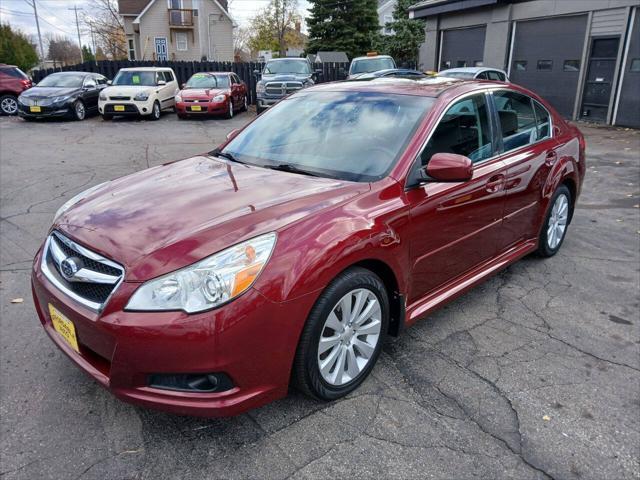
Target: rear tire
[(556, 223), (79, 112), (338, 350), (8, 105), (155, 111)]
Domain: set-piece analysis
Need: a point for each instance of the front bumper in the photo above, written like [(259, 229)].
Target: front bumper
[(107, 107), (207, 108), (47, 111), (252, 340), (266, 102)]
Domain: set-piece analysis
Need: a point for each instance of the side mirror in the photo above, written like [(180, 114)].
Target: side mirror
[(449, 167), (109, 82), (257, 73), (161, 82), (233, 133)]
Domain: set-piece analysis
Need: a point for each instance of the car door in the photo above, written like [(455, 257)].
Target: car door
[(529, 152), (456, 226), (167, 91), (90, 92), (237, 91)]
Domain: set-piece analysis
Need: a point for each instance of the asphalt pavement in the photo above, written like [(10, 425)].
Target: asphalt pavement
[(535, 374)]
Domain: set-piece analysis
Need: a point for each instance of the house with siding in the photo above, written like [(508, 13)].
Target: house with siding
[(175, 30)]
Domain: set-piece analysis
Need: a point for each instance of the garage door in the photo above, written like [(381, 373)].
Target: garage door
[(546, 58), (629, 102), (462, 47)]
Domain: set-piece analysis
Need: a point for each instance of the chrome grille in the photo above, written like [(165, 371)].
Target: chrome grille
[(119, 98), (282, 88), (83, 275)]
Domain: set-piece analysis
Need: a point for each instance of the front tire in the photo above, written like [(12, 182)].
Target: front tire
[(155, 111), (343, 336), (245, 104), (8, 105), (107, 118), (554, 228), (230, 111), (78, 111)]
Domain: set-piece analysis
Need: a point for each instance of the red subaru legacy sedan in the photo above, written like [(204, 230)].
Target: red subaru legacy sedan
[(344, 214), (215, 93)]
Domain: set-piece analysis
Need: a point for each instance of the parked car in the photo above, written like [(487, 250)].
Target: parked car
[(139, 91), (393, 73), (479, 73), (370, 63), (212, 93), (281, 77), (13, 82), (63, 94), (342, 215)]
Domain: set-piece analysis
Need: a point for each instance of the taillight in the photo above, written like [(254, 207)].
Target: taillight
[(26, 83)]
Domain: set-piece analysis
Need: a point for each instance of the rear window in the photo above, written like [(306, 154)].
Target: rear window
[(367, 65), (14, 72)]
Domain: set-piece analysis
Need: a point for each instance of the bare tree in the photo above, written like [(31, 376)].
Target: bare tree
[(108, 27), (62, 51), (276, 27)]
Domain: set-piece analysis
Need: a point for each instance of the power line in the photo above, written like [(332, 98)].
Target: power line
[(75, 9)]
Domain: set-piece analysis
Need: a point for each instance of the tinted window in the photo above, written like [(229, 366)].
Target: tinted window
[(101, 80), (543, 121), (517, 119), (493, 75), (373, 64), (354, 136), (464, 129), (287, 66), (168, 76), (14, 72), (483, 76), (546, 65)]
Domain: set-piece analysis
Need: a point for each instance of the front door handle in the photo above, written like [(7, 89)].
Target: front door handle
[(551, 158), (495, 183)]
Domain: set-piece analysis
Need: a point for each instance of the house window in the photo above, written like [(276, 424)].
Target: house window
[(182, 44), (132, 50), (388, 19), (520, 65), (545, 65), (635, 65)]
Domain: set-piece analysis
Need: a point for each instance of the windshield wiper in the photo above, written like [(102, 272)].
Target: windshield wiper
[(227, 155), (287, 167)]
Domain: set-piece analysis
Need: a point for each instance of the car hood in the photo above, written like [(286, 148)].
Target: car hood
[(44, 92), (164, 218), (126, 90), (202, 92)]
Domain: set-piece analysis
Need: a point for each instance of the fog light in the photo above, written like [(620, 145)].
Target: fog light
[(144, 109), (191, 382)]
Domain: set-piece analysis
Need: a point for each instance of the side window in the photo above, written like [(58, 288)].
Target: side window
[(493, 75), (517, 119), (464, 129), (482, 76), (89, 82), (101, 80), (543, 121), (168, 76)]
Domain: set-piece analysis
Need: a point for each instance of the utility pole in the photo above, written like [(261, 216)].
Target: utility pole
[(35, 12), (75, 9)]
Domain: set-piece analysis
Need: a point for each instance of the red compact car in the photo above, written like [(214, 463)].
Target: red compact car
[(13, 82), (342, 215), (212, 93)]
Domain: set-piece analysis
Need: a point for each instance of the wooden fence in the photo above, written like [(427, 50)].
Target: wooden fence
[(330, 71)]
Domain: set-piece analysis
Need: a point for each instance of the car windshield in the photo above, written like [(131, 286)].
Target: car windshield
[(371, 65), (62, 80), (457, 74), (355, 136), (288, 66), (200, 80), (133, 77)]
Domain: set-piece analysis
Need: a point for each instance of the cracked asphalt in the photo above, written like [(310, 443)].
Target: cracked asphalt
[(535, 374)]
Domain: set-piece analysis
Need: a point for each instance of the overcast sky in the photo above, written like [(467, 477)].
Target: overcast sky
[(56, 18)]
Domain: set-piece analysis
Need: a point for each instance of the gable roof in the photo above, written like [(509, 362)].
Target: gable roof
[(338, 57), (131, 7), (151, 2)]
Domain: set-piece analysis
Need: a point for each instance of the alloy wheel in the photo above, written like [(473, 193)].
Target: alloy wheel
[(156, 111), (9, 106), (80, 111), (230, 108), (349, 337), (558, 221)]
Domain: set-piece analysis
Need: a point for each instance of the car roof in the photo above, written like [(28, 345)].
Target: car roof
[(149, 69), (72, 72), (288, 58), (471, 69), (367, 57), (213, 73)]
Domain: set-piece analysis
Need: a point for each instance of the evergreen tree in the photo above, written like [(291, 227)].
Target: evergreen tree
[(87, 54), (349, 26), (16, 49), (407, 35)]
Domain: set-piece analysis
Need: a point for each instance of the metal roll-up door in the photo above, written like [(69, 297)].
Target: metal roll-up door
[(628, 113), (462, 47), (546, 58)]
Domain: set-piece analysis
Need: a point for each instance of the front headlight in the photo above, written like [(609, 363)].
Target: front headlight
[(208, 283), (260, 88), (178, 98), (73, 200), (219, 98), (103, 96), (60, 99), (141, 97)]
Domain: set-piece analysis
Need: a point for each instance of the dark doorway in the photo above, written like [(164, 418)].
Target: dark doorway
[(599, 82)]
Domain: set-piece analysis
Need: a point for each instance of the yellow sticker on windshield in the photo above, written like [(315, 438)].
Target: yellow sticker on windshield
[(135, 79)]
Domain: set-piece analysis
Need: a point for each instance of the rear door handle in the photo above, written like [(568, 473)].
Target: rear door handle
[(495, 183), (551, 158)]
